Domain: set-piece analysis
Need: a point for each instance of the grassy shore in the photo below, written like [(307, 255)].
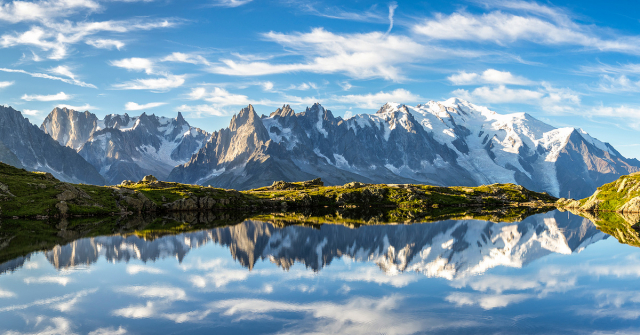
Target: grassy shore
[(25, 194)]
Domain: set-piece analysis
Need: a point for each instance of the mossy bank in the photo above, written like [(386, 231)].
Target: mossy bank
[(26, 194)]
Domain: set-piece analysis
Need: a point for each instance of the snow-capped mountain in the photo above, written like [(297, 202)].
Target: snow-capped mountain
[(446, 249), (25, 146), (122, 147), (444, 143)]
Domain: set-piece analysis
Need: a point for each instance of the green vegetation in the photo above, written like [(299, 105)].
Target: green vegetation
[(31, 194), (622, 196)]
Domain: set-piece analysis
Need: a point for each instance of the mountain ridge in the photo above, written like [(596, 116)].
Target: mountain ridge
[(445, 143)]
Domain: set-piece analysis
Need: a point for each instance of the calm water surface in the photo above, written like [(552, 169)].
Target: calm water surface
[(550, 273)]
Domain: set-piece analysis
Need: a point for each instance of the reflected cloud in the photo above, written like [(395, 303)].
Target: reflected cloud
[(109, 331), (138, 311), (375, 276), (49, 301), (6, 294), (60, 280), (158, 292), (486, 301), (57, 325), (136, 268), (354, 316)]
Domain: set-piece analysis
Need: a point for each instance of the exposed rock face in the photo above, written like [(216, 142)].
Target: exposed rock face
[(123, 147), (37, 151), (446, 143), (70, 128)]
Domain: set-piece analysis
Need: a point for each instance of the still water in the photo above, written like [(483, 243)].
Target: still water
[(550, 273)]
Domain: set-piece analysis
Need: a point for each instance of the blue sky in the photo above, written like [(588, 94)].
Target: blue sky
[(568, 63)]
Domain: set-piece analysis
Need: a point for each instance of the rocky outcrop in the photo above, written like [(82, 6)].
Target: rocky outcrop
[(122, 147), (445, 143), (37, 151)]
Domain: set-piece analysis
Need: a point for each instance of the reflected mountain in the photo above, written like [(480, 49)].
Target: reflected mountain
[(448, 249)]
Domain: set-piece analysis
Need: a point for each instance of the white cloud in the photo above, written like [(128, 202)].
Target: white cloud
[(48, 301), (267, 86), (500, 94), (106, 44), (369, 55), (153, 84), (180, 57), (71, 81), (137, 268), (490, 76), (345, 85), (55, 97), (62, 70), (135, 64), (4, 84), (219, 97), (84, 107), (229, 3), (19, 11), (202, 110), (132, 106), (56, 38), (392, 9), (377, 99), (504, 28), (629, 114), (303, 86)]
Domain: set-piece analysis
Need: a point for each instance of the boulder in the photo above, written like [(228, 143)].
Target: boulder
[(149, 178)]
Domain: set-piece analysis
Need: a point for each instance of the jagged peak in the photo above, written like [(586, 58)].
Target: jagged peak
[(285, 111), (180, 118)]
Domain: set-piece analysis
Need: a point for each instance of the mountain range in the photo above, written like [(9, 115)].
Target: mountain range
[(121, 147), (446, 143)]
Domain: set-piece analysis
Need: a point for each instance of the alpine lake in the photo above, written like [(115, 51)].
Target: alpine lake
[(341, 272)]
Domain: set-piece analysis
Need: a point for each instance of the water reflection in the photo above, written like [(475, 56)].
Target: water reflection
[(556, 272)]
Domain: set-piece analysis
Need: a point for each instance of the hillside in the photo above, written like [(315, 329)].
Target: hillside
[(33, 194), (620, 196)]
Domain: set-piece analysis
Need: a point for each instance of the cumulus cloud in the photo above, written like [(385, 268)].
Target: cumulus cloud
[(54, 97), (5, 84), (202, 110), (490, 76)]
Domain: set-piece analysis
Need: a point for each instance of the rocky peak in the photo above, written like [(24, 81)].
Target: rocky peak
[(388, 107), (283, 112)]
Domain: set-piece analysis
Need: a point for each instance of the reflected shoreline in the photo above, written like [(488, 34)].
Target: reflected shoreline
[(459, 244)]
